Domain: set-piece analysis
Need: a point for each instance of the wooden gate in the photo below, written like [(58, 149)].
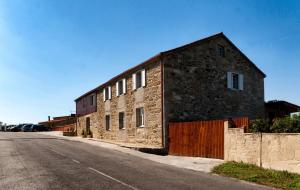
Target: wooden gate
[(199, 138)]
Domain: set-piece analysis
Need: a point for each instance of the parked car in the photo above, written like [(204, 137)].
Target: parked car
[(27, 128), (17, 128), (7, 128), (39, 128)]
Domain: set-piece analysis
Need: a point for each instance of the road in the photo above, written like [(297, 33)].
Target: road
[(33, 161)]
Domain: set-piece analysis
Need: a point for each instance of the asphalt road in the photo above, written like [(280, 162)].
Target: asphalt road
[(31, 161)]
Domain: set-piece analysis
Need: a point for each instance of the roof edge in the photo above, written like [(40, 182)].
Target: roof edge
[(283, 102), (158, 56), (194, 43), (220, 34), (264, 75), (128, 71)]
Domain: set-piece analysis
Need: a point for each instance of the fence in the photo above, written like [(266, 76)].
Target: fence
[(200, 138)]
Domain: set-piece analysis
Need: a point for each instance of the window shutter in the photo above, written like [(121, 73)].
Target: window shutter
[(124, 86), (241, 82), (134, 81), (229, 80), (104, 95), (117, 89), (143, 78), (109, 92)]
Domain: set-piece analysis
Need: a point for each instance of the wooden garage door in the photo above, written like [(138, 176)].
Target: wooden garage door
[(199, 139)]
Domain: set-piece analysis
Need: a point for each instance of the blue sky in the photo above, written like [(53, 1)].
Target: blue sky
[(52, 51)]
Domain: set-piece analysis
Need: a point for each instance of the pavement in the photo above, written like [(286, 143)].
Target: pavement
[(38, 161)]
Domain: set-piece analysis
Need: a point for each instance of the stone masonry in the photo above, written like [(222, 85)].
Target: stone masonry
[(148, 97), (196, 84), (194, 87)]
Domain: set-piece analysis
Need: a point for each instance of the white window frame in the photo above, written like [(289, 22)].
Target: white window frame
[(143, 79), (142, 117), (105, 98), (230, 81), (123, 83)]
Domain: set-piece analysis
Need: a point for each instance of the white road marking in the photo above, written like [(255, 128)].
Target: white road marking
[(76, 161), (57, 152), (125, 184)]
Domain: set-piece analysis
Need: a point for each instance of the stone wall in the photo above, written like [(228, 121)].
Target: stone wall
[(195, 85), (278, 151), (148, 97)]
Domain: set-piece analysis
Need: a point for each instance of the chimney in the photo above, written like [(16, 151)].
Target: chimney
[(48, 118)]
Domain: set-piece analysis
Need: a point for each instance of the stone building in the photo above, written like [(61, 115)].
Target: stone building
[(207, 79)]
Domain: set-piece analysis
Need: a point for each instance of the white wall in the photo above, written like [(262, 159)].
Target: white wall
[(280, 151)]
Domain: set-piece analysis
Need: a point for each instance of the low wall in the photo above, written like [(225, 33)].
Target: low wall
[(64, 128), (280, 151)]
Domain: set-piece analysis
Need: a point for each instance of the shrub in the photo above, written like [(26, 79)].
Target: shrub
[(278, 125), (259, 125), (281, 125)]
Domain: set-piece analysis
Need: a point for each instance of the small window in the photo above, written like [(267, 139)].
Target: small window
[(140, 117), (121, 120), (92, 100), (221, 50), (121, 87), (139, 80), (235, 81), (107, 93), (107, 122)]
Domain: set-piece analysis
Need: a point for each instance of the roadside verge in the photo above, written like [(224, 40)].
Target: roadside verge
[(252, 173)]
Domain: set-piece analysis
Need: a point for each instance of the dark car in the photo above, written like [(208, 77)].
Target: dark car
[(27, 128), (39, 128), (8, 127), (17, 128)]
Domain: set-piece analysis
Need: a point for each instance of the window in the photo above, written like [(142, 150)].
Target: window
[(107, 93), (92, 100), (107, 122), (140, 117), (121, 87), (235, 81), (221, 50), (121, 120), (139, 79)]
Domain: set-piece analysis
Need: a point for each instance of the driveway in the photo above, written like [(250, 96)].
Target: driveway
[(35, 161)]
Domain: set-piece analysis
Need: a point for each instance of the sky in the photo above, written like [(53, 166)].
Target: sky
[(53, 51)]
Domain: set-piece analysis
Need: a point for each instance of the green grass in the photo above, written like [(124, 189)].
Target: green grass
[(249, 172)]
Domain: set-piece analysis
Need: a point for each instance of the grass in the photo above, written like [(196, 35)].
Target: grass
[(249, 172)]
